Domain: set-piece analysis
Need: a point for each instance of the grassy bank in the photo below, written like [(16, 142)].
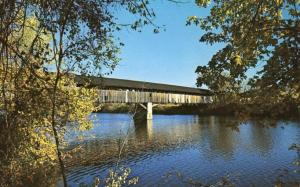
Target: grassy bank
[(159, 109), (204, 109), (232, 109)]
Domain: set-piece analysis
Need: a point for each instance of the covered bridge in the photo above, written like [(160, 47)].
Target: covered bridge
[(113, 90)]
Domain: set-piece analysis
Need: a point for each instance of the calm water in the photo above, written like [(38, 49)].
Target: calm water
[(174, 148)]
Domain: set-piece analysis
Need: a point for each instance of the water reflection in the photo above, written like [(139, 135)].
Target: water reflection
[(204, 148), (261, 138), (143, 129)]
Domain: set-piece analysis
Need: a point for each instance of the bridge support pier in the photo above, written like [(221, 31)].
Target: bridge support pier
[(145, 112), (148, 108), (149, 111)]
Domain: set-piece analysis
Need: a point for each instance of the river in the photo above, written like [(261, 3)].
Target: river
[(173, 150)]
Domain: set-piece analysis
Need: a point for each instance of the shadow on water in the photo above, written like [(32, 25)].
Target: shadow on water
[(202, 148)]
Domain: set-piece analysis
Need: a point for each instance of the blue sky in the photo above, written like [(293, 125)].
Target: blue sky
[(170, 56)]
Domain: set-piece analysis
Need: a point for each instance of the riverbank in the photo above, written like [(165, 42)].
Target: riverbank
[(210, 109), (159, 109)]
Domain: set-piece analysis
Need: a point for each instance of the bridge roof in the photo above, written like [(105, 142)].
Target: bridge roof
[(113, 83)]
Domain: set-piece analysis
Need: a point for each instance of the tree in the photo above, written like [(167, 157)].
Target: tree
[(26, 140), (60, 36), (255, 33)]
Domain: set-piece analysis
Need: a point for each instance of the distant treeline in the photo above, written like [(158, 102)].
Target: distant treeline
[(229, 109)]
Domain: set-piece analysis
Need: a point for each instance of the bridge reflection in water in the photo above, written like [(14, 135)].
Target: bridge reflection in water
[(204, 148)]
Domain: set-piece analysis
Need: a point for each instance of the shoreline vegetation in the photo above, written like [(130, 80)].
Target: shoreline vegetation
[(230, 109)]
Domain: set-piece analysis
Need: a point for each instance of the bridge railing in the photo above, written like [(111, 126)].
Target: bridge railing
[(128, 96)]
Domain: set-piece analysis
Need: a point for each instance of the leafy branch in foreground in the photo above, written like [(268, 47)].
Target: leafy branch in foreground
[(114, 179)]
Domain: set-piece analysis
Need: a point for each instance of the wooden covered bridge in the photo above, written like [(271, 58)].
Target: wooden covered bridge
[(113, 90)]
